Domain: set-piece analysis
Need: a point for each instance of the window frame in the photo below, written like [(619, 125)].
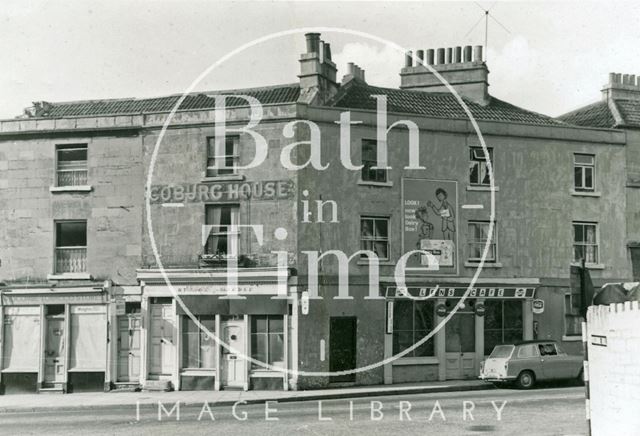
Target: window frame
[(201, 333), (233, 238), (583, 167), (56, 232), (373, 239), (584, 244), (268, 335), (212, 172), (414, 330), (471, 242), (572, 312), (481, 164), (366, 164), (85, 169)]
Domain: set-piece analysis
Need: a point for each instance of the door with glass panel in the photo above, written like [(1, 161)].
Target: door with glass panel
[(460, 346), (233, 365)]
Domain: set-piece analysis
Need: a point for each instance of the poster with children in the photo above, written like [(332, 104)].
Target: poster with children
[(430, 224)]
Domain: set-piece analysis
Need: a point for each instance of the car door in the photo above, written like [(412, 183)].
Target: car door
[(526, 357), (554, 366)]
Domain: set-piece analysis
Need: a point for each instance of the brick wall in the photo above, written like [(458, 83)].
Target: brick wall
[(614, 368)]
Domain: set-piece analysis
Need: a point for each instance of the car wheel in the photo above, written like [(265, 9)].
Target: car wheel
[(525, 380)]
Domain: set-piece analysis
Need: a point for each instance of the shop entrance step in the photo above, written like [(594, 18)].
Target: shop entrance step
[(157, 385)]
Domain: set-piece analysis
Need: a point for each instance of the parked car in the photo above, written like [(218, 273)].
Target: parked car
[(526, 363)]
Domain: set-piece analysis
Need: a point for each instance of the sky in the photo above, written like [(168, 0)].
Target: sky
[(551, 58)]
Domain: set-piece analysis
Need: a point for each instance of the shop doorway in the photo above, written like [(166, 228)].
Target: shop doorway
[(162, 359), (460, 346), (233, 366), (129, 344), (54, 354), (342, 347)]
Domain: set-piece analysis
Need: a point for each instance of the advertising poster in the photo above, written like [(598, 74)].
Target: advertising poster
[(430, 223)]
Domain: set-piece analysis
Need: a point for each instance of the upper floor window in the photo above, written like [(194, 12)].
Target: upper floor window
[(71, 247), (584, 172), (478, 173), (370, 160), (585, 242), (223, 238), (71, 164), (374, 236), (478, 231), (227, 161)]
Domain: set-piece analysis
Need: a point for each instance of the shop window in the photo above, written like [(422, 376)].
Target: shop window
[(478, 231), (374, 236), (71, 164), (71, 247), (584, 169), (223, 230), (502, 323), (585, 242), (478, 172), (267, 340), (228, 160), (369, 161), (572, 318), (412, 321), (198, 348)]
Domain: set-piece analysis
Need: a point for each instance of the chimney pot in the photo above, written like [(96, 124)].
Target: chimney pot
[(477, 53), (467, 53), (408, 59), (618, 77), (612, 78), (440, 56), (313, 40), (632, 79), (327, 51), (449, 59), (625, 79), (458, 55), (420, 56), (430, 59), (351, 68)]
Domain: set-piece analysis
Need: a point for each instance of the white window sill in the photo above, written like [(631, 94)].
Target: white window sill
[(224, 178), (69, 276), (416, 361), (475, 264), (585, 193), (571, 338), (590, 265), (482, 188), (380, 262), (257, 373), (375, 184), (78, 188)]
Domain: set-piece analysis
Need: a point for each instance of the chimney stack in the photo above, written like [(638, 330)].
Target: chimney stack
[(317, 71), (622, 87), (463, 68), (354, 72)]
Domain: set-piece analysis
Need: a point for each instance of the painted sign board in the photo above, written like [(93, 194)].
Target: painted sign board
[(453, 292), (430, 224), (538, 306), (227, 191)]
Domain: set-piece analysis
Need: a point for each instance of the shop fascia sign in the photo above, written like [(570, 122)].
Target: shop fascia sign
[(458, 292), (240, 289)]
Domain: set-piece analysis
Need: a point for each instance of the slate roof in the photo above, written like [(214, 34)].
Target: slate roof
[(359, 95), (600, 115), (270, 95)]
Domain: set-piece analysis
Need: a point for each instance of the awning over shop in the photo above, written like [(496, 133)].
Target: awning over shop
[(252, 305)]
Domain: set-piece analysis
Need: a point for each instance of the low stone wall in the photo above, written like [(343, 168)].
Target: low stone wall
[(613, 340)]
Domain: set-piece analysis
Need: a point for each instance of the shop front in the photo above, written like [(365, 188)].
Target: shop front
[(54, 339), (202, 334), (471, 327)]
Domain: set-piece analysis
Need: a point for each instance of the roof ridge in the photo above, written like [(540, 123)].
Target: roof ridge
[(194, 93)]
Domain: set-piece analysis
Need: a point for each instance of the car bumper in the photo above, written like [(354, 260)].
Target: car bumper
[(496, 378)]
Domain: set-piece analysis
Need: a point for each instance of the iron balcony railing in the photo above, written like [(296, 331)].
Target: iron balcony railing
[(71, 259)]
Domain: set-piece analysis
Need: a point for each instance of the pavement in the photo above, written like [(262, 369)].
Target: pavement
[(126, 400)]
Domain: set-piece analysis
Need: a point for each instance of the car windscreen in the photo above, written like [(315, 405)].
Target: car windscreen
[(502, 352)]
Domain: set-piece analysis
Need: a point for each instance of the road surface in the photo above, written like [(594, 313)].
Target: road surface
[(549, 411)]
